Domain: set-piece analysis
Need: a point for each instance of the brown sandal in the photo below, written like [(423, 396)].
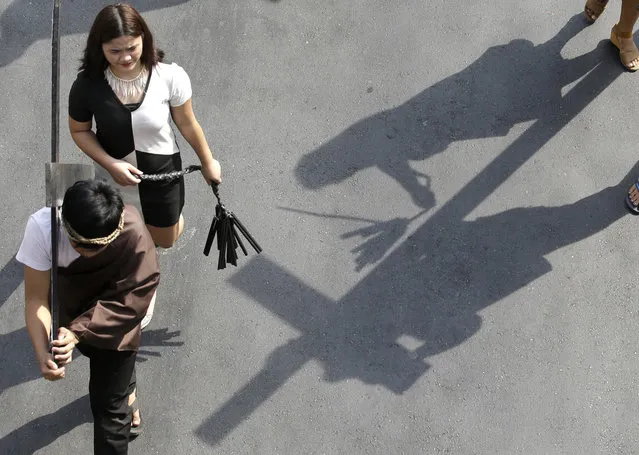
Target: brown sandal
[(593, 9), (627, 56)]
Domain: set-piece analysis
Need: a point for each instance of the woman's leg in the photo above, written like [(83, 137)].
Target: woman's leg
[(166, 237), (623, 29), (629, 15)]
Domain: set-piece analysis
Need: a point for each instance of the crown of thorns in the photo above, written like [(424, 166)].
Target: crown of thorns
[(98, 240)]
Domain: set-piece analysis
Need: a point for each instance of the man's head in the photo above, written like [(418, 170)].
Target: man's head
[(92, 214)]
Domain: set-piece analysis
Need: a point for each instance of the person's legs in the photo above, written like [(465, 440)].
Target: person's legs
[(628, 16), (166, 237), (135, 418), (621, 35), (112, 380)]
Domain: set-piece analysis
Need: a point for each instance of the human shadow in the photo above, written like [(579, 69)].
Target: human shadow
[(379, 236), (431, 288), (44, 430), (10, 279), (508, 84), (17, 361), (18, 364), (25, 22), (157, 338)]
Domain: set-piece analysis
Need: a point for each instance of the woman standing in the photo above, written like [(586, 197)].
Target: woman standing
[(132, 95)]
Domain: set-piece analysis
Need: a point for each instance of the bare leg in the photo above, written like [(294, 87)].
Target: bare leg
[(629, 15), (136, 415), (627, 47), (167, 236)]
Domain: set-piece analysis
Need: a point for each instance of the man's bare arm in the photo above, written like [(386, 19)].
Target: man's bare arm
[(38, 319)]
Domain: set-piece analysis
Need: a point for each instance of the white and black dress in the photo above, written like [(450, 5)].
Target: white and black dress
[(140, 134)]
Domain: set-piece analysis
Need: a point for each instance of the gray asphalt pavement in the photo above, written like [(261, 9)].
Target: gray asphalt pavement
[(448, 265)]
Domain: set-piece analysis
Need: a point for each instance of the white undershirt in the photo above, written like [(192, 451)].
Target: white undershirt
[(35, 250)]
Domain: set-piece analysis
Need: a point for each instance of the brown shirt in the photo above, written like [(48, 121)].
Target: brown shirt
[(103, 298)]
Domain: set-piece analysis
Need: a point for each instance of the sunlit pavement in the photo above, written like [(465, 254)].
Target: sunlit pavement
[(448, 264)]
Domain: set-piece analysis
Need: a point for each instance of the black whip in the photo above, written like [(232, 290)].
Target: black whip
[(225, 224)]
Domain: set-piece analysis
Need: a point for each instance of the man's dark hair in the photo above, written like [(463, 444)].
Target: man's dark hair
[(93, 209)]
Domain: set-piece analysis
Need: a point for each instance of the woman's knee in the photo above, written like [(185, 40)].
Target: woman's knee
[(166, 237), (164, 240)]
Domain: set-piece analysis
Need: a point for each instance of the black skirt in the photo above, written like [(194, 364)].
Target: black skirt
[(161, 202)]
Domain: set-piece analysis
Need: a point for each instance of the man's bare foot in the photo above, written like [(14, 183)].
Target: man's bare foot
[(135, 422)]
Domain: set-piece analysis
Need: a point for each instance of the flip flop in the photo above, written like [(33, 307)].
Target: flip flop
[(632, 208), (136, 430)]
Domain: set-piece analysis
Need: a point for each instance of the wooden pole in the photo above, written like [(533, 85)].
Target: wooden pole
[(55, 157)]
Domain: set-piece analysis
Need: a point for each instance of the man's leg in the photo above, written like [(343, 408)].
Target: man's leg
[(112, 379)]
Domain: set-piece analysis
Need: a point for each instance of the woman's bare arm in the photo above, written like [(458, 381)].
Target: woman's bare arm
[(185, 120), (122, 172)]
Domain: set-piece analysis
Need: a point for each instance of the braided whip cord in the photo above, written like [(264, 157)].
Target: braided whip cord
[(170, 176), (167, 177)]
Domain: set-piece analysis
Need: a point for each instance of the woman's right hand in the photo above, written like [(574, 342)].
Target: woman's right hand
[(124, 173)]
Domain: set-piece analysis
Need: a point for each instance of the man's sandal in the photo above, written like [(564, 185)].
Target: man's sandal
[(136, 430), (629, 56), (593, 9), (632, 207)]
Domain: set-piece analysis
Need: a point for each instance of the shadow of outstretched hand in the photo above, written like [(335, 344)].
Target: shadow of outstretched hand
[(380, 237), (157, 338)]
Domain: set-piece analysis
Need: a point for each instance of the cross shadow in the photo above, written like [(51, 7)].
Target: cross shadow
[(508, 84), (44, 430), (25, 22), (431, 288)]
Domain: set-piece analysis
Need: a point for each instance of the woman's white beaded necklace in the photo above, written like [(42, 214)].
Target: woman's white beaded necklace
[(125, 89)]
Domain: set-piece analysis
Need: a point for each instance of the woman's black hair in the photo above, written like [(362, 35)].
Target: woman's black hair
[(93, 209), (115, 21)]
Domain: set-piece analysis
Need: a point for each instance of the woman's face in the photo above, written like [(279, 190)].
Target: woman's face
[(123, 55)]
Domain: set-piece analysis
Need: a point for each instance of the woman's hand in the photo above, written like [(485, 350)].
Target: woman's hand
[(212, 172), (124, 173), (62, 348)]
